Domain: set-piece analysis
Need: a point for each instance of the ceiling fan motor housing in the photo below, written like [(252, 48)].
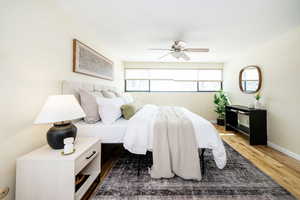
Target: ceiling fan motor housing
[(178, 45)]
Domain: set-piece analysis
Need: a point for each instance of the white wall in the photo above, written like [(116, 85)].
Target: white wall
[(35, 55), (198, 102), (279, 60)]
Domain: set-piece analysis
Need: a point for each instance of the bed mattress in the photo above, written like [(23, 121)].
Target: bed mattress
[(108, 133)]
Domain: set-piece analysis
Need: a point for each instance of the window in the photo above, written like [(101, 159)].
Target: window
[(209, 86), (173, 80), (137, 85), (170, 85)]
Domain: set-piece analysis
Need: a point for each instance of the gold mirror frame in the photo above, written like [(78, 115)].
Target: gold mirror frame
[(259, 81)]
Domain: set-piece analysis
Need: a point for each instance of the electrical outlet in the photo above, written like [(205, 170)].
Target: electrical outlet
[(4, 192)]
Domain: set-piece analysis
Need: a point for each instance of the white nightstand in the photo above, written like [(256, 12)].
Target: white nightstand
[(46, 174)]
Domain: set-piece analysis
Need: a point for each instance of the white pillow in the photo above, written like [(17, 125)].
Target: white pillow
[(128, 98), (108, 94), (110, 109)]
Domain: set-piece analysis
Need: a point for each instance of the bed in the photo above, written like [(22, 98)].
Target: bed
[(135, 134), (109, 133)]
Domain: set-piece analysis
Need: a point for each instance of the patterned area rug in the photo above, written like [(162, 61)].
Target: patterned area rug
[(238, 180)]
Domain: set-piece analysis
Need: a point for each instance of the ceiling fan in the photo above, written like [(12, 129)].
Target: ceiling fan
[(178, 50)]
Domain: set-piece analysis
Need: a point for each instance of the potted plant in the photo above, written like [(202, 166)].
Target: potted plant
[(257, 103), (221, 100)]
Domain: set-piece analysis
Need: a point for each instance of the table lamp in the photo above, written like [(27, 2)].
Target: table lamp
[(60, 110)]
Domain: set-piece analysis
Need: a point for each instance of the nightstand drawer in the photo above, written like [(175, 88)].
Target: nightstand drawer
[(86, 157)]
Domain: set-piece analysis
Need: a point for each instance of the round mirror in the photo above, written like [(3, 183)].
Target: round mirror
[(250, 79)]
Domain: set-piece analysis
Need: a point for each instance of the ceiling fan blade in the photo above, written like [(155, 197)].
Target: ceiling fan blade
[(164, 56), (196, 49), (185, 56), (176, 54), (158, 49)]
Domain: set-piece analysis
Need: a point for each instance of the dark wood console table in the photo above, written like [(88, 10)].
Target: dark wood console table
[(257, 130)]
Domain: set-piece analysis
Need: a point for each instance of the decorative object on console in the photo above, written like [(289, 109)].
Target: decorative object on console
[(257, 103), (221, 100), (89, 62), (60, 109), (250, 79)]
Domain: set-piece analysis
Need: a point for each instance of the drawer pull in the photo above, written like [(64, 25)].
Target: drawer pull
[(93, 153), (243, 113)]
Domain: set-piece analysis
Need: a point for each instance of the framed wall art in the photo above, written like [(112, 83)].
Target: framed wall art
[(89, 62)]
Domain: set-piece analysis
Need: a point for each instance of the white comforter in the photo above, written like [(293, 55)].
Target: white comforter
[(139, 134)]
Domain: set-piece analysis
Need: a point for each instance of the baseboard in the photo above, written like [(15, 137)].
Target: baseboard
[(284, 150)]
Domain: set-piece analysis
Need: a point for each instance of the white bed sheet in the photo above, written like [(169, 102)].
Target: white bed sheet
[(108, 133)]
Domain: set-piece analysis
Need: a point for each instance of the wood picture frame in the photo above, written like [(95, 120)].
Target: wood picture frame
[(259, 79), (89, 62)]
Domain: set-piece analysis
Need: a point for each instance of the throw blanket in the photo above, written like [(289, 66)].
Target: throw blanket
[(140, 131), (175, 149)]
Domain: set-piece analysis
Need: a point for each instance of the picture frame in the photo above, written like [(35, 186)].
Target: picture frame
[(88, 61)]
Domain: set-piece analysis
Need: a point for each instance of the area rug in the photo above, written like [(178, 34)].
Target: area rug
[(239, 180)]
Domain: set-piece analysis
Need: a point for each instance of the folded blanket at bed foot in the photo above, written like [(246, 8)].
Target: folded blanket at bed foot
[(175, 149)]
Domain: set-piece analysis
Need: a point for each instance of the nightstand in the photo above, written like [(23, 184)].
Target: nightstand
[(46, 174)]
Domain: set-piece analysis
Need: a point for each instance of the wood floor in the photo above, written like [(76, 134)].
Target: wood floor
[(283, 169)]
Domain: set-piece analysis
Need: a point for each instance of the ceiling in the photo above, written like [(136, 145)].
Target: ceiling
[(228, 27)]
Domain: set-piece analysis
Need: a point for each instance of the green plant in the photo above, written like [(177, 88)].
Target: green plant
[(221, 100), (257, 96)]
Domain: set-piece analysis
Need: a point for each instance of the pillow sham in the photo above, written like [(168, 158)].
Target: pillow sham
[(109, 109), (128, 98), (89, 105), (108, 94), (116, 93)]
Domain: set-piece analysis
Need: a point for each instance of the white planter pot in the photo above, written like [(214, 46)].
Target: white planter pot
[(257, 104)]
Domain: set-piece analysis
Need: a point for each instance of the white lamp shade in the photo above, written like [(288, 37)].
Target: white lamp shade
[(60, 108)]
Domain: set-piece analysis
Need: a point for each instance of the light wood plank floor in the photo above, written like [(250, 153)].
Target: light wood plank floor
[(283, 169)]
